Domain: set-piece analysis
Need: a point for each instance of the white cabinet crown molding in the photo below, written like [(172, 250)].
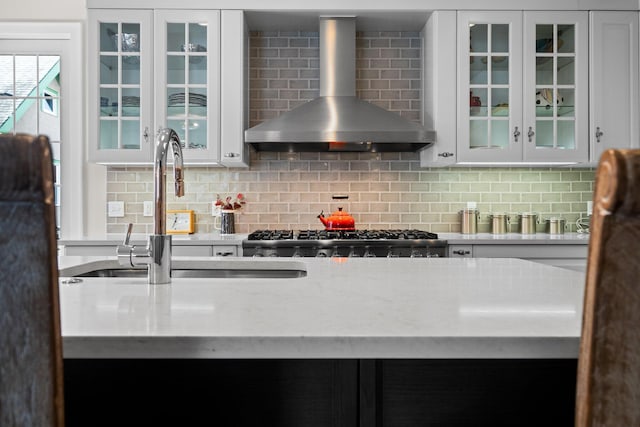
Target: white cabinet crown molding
[(370, 5)]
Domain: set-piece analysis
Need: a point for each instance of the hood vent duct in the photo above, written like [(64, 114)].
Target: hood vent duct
[(338, 120)]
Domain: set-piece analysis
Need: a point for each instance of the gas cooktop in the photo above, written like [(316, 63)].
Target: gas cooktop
[(342, 235), (359, 243)]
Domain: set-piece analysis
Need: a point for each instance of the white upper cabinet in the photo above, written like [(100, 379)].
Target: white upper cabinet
[(439, 108), (155, 69), (120, 86), (556, 84), (490, 87), (187, 80), (522, 87), (234, 69), (614, 94)]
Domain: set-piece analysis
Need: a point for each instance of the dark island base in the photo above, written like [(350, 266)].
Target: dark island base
[(309, 393)]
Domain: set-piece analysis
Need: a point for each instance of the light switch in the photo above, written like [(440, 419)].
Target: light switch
[(115, 209), (148, 208)]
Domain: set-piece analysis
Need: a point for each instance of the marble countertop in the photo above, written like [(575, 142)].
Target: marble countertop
[(342, 308)]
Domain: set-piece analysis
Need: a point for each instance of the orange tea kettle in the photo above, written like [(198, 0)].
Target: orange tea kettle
[(338, 220)]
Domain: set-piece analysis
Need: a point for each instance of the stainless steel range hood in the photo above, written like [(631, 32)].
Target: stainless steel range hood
[(338, 120)]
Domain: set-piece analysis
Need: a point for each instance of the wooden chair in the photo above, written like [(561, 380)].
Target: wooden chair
[(608, 389), (31, 388)]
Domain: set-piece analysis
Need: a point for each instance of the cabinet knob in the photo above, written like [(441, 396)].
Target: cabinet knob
[(445, 155), (599, 133), (231, 154)]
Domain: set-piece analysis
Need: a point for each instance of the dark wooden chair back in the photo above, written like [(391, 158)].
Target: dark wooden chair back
[(608, 390), (31, 389)]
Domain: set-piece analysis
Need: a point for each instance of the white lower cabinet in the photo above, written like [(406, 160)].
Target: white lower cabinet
[(572, 256), (109, 249)]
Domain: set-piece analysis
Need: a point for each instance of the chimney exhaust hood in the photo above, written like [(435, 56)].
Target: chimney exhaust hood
[(338, 120)]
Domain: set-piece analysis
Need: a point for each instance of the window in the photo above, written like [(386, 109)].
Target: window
[(41, 93)]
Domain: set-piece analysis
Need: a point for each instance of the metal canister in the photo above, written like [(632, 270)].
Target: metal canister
[(528, 223), (469, 219), (555, 225), (499, 223)]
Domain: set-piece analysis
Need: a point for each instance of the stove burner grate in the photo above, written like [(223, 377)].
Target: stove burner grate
[(342, 235)]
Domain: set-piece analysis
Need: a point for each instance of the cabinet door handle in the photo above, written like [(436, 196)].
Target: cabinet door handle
[(599, 133), (516, 134), (462, 252), (530, 134), (145, 134), (232, 154), (224, 254), (445, 154)]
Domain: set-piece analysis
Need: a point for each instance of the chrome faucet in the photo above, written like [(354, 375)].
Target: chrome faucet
[(157, 254)]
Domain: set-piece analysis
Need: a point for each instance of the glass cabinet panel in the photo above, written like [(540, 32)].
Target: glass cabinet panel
[(555, 77), (489, 85), (186, 82), (119, 86)]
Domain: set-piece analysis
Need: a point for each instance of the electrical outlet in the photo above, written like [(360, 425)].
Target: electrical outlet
[(589, 208), (148, 208), (115, 209)]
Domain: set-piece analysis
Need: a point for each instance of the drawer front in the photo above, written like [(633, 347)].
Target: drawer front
[(530, 251), (89, 250), (190, 250)]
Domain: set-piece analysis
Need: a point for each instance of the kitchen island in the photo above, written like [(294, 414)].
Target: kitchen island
[(343, 307), (356, 341)]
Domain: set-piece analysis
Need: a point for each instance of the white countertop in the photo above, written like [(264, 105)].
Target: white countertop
[(343, 308)]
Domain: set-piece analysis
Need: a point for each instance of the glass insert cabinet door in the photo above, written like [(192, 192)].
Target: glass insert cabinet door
[(187, 80), (120, 85), (556, 86), (490, 85)]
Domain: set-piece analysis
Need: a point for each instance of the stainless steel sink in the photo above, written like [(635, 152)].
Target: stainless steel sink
[(199, 273), (227, 269)]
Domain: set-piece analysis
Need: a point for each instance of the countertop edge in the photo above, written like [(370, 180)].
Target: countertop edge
[(321, 347)]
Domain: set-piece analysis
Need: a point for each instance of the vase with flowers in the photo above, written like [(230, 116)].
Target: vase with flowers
[(225, 210), (230, 203)]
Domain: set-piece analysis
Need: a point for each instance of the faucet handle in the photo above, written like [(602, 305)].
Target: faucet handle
[(125, 250), (127, 236)]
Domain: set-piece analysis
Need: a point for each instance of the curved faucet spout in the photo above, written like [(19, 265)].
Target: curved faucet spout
[(157, 255), (166, 138)]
